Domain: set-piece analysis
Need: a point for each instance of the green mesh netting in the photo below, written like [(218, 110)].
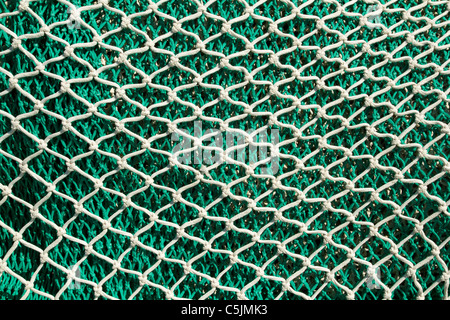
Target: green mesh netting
[(97, 202)]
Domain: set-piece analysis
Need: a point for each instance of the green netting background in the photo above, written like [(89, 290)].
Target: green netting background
[(413, 108)]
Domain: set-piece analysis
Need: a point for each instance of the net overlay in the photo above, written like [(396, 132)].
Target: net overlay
[(224, 149)]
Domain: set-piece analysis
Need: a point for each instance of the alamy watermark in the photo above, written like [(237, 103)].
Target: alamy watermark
[(373, 18), (75, 285), (74, 18), (256, 148), (374, 279)]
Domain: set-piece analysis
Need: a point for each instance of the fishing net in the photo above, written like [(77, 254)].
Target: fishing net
[(116, 182)]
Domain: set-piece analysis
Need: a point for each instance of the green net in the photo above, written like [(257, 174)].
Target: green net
[(116, 182)]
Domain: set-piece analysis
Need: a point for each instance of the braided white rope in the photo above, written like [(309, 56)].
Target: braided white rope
[(119, 92)]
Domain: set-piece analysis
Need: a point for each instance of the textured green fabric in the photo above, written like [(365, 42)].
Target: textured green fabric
[(408, 102)]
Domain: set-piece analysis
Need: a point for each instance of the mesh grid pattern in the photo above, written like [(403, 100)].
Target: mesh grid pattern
[(90, 183)]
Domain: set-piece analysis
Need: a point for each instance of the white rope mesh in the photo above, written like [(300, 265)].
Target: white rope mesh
[(374, 19)]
